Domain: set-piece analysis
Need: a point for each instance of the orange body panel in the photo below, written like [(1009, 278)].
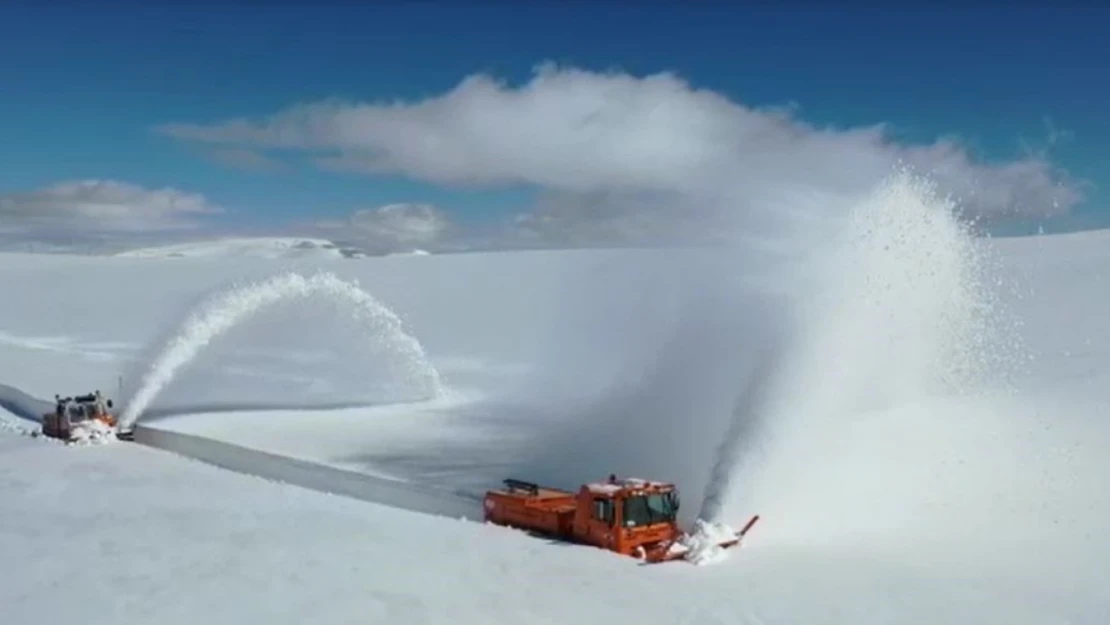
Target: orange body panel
[(598, 515), (545, 510)]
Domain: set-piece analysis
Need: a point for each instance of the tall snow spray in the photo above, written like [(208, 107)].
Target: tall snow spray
[(895, 308), (237, 305)]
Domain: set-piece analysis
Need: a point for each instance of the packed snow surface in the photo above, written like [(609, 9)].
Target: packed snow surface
[(918, 417)]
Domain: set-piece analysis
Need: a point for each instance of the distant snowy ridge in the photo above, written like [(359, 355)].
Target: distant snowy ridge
[(259, 247)]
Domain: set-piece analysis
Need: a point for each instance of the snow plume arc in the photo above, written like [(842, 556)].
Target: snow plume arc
[(902, 305), (897, 309), (738, 437), (237, 305)]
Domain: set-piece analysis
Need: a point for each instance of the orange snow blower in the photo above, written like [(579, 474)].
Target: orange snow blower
[(631, 517), (78, 411)]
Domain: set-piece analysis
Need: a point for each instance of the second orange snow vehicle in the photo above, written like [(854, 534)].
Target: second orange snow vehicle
[(73, 413), (631, 517)]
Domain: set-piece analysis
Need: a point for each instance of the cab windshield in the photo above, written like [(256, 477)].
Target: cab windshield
[(650, 509)]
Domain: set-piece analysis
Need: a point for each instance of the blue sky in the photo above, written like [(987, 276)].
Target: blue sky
[(85, 84)]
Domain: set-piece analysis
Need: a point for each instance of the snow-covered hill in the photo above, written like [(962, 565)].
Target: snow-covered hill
[(260, 247), (924, 445)]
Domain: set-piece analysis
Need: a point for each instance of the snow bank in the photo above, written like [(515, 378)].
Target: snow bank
[(9, 424), (90, 432)]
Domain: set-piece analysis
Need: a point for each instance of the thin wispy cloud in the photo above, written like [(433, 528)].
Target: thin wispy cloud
[(102, 205), (247, 160), (92, 215)]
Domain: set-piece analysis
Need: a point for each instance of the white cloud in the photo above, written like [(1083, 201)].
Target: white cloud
[(394, 227), (601, 143), (101, 206), (407, 223)]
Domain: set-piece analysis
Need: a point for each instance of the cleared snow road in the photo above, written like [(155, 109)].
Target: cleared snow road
[(274, 467)]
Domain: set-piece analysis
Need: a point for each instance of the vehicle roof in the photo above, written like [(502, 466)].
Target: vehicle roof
[(612, 488)]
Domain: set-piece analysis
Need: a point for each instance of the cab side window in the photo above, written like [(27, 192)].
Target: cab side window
[(603, 510)]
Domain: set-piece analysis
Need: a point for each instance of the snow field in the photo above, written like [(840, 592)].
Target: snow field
[(926, 448), (135, 535)]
